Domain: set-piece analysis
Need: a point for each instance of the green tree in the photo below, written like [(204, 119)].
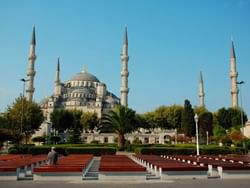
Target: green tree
[(230, 117), (61, 119), (75, 128), (38, 139), (219, 133), (89, 121), (121, 120), (205, 124), (55, 139), (161, 117), (187, 119), (31, 121)]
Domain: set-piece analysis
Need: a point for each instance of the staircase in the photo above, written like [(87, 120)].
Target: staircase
[(92, 170)]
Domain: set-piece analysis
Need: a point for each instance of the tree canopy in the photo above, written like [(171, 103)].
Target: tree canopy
[(121, 120), (187, 119), (24, 117)]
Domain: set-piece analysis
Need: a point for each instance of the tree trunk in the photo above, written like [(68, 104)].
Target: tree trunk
[(121, 140)]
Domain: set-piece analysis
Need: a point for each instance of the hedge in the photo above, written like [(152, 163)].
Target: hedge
[(97, 151), (188, 150)]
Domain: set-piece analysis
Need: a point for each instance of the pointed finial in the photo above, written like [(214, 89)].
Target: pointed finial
[(232, 50), (33, 40), (201, 78), (58, 64), (125, 38), (84, 70)]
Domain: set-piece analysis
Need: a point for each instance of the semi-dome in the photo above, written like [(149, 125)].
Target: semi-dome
[(84, 76)]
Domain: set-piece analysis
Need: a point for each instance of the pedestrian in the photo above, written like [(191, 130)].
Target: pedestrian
[(52, 156)]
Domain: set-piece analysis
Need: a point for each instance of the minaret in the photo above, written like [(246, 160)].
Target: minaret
[(31, 69), (124, 72), (57, 89), (233, 76), (201, 91)]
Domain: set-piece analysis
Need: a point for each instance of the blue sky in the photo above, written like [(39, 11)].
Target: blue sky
[(170, 41)]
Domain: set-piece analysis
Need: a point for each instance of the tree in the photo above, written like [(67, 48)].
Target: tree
[(38, 139), (230, 117), (166, 117), (61, 119), (32, 117), (160, 117), (236, 136), (205, 124), (89, 121), (121, 120), (187, 119), (75, 127), (219, 133), (55, 139)]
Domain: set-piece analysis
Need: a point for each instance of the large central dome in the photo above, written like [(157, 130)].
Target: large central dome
[(84, 76)]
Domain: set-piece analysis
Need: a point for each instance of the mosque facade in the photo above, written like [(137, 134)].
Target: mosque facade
[(85, 92)]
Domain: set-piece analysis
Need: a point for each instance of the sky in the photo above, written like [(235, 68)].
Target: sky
[(170, 42)]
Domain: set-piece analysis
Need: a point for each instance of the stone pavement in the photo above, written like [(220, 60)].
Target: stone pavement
[(208, 183)]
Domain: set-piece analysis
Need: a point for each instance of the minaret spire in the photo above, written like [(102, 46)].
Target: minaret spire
[(31, 69), (201, 91), (57, 89), (124, 72), (233, 76)]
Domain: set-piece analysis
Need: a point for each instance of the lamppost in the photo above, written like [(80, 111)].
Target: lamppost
[(241, 112), (207, 136), (24, 81), (196, 118)]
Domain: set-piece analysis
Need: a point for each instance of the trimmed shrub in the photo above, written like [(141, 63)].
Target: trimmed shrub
[(97, 151), (20, 149), (165, 151), (215, 150), (45, 150)]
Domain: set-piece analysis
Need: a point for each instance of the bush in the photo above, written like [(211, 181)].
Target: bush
[(97, 151), (165, 151), (45, 150), (20, 149), (205, 150)]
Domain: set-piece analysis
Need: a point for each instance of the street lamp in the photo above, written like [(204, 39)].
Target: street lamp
[(207, 136), (24, 81), (241, 112), (196, 118)]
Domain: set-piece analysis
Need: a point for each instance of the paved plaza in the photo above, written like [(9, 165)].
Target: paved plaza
[(209, 183)]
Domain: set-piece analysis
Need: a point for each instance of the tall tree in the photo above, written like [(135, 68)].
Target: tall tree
[(24, 116), (230, 117), (61, 119), (187, 119), (121, 120), (75, 127), (89, 121), (205, 124)]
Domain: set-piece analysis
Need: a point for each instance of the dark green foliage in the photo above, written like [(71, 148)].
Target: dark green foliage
[(187, 119), (55, 139), (46, 149), (97, 151), (205, 124), (165, 151), (38, 139), (89, 121), (20, 149), (230, 117), (32, 118), (121, 120), (61, 119), (182, 150)]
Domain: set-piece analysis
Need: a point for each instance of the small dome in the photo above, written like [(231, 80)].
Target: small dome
[(84, 76)]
